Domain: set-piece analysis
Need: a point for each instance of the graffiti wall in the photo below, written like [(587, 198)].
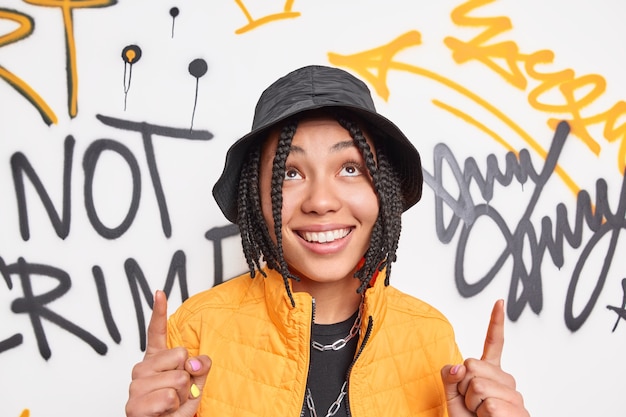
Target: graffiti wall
[(114, 122)]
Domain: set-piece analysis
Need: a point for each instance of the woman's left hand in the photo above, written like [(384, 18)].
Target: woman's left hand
[(480, 387)]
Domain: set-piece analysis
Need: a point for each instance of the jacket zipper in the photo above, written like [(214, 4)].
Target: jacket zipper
[(368, 331), (312, 321)]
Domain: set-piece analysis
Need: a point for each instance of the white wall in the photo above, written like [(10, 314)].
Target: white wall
[(70, 328)]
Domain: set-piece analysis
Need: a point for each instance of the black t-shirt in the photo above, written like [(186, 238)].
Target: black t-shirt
[(328, 369)]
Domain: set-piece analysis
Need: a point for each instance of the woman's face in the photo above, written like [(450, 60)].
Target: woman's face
[(329, 202)]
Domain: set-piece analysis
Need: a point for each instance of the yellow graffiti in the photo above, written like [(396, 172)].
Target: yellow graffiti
[(67, 7), (476, 48), (286, 13), (131, 55), (471, 120), (25, 26), (24, 29), (380, 59), (577, 92)]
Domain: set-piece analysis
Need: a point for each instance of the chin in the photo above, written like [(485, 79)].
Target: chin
[(324, 275)]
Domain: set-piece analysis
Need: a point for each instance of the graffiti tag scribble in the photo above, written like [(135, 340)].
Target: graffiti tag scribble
[(526, 280), (620, 311)]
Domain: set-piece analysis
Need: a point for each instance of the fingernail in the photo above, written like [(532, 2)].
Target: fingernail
[(454, 369), (194, 390), (195, 364)]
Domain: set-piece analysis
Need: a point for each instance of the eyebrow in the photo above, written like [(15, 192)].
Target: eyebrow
[(335, 148)]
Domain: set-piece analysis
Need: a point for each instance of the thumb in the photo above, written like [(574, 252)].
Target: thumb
[(451, 375), (198, 367)]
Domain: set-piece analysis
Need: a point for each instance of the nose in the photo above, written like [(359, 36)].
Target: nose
[(321, 197)]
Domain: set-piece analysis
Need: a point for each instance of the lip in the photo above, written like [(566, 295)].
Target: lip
[(325, 248)]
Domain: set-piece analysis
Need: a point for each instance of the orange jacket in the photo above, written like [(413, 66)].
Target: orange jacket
[(260, 345)]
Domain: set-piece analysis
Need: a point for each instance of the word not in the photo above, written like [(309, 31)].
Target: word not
[(526, 280), (22, 168)]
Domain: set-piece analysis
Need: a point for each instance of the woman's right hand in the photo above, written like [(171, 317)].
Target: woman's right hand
[(167, 382)]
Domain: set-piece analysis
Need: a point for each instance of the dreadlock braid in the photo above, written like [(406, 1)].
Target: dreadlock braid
[(391, 210), (244, 197), (386, 231), (255, 237), (278, 176)]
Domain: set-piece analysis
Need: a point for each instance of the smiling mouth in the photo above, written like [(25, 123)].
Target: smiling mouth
[(324, 237)]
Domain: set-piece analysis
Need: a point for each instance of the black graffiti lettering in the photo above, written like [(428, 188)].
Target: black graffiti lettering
[(92, 154), (61, 219), (11, 342), (20, 167), (464, 208), (147, 131), (216, 235), (103, 298), (137, 281), (526, 281), (620, 311), (611, 225), (5, 274), (16, 339), (35, 305)]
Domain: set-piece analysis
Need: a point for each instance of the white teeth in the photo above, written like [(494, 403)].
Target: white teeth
[(324, 237)]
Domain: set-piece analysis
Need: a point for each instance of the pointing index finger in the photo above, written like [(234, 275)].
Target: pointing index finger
[(157, 328), (494, 341)]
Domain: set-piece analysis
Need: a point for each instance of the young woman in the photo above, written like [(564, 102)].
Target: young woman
[(317, 188)]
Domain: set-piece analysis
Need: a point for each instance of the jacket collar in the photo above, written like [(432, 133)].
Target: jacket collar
[(285, 316), (289, 318), (375, 305)]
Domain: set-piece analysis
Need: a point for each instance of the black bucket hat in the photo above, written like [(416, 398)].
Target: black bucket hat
[(315, 87)]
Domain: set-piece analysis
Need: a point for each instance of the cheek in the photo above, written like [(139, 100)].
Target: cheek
[(291, 203), (365, 205)]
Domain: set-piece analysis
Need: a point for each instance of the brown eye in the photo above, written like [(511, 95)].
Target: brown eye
[(351, 170), (292, 174)]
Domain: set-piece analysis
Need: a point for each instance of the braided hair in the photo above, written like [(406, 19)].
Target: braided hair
[(256, 239)]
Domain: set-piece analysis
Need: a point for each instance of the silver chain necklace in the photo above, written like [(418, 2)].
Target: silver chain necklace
[(340, 343), (334, 407), (336, 345)]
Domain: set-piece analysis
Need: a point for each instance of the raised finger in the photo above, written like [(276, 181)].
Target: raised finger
[(494, 341), (157, 329)]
